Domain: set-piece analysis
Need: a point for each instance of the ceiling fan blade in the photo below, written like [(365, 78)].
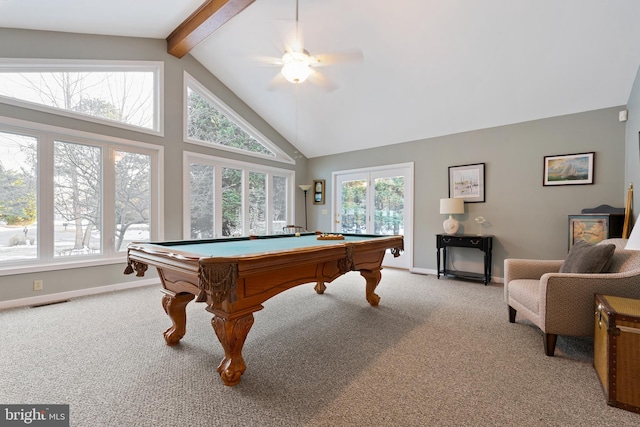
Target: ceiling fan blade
[(276, 82), (318, 79), (351, 56), (315, 79), (267, 60)]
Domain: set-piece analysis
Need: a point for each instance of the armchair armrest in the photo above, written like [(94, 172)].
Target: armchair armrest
[(567, 299), (529, 268)]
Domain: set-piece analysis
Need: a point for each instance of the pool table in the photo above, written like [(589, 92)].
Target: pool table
[(234, 276)]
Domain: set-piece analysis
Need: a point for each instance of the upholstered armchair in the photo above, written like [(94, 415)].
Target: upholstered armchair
[(563, 303)]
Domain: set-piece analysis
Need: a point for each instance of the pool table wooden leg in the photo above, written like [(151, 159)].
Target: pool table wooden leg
[(373, 278), (175, 307), (232, 333), (320, 287)]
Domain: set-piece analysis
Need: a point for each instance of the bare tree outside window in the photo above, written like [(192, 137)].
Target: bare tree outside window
[(120, 96), (279, 202), (77, 198), (257, 203), (231, 202), (133, 198), (201, 203), (77, 203)]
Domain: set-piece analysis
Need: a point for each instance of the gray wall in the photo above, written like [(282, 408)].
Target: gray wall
[(632, 161), (34, 44), (528, 220)]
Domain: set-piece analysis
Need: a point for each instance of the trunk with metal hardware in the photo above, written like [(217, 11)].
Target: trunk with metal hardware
[(616, 346)]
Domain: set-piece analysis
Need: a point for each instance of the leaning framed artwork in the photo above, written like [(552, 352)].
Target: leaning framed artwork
[(569, 169), (467, 182), (591, 228)]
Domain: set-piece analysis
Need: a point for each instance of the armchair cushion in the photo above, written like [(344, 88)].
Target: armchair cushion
[(587, 258)]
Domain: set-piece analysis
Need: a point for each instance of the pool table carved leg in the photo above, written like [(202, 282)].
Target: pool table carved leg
[(320, 287), (175, 307), (373, 278), (232, 333)]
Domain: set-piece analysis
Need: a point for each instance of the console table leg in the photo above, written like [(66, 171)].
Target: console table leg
[(487, 275)]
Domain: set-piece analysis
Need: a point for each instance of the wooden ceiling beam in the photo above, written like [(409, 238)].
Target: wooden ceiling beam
[(210, 16)]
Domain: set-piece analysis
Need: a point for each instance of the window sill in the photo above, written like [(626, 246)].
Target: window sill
[(66, 265)]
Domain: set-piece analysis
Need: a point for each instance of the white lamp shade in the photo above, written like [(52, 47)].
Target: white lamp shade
[(451, 206), (305, 187), (634, 240)]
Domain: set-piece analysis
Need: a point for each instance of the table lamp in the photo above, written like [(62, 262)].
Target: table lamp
[(450, 207)]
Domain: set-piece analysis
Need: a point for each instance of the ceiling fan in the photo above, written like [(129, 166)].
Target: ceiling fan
[(298, 65)]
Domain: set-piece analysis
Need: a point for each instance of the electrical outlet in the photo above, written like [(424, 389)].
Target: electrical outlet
[(38, 285)]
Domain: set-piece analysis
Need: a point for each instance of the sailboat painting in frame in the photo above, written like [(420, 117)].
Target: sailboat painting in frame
[(569, 169)]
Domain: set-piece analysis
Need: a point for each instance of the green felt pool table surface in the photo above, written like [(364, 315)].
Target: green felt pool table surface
[(260, 245)]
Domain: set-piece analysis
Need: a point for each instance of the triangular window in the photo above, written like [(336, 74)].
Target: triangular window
[(210, 122)]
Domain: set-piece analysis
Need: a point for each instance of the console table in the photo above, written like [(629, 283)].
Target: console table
[(484, 243)]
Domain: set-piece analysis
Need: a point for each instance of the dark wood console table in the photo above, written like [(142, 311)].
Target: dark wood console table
[(484, 243)]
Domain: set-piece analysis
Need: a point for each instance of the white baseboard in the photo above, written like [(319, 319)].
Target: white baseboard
[(423, 271), (62, 296), (435, 273)]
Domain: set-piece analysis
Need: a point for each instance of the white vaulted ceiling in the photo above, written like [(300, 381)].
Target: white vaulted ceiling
[(428, 68)]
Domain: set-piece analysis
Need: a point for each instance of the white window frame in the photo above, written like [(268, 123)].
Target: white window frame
[(218, 163), (189, 81), (45, 65), (46, 135), (370, 174)]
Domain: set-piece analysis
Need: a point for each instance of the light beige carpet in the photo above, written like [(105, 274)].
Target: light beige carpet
[(435, 353)]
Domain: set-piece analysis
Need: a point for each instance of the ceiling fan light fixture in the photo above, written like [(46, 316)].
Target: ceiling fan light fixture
[(297, 66)]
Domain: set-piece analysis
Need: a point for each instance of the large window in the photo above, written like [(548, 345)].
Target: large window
[(133, 192), (208, 121), (18, 196), (77, 198), (122, 93), (67, 196), (232, 198)]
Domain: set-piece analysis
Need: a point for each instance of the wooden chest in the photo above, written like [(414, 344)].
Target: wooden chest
[(616, 357)]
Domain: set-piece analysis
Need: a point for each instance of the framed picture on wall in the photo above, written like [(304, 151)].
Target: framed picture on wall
[(569, 169), (467, 182), (318, 192)]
